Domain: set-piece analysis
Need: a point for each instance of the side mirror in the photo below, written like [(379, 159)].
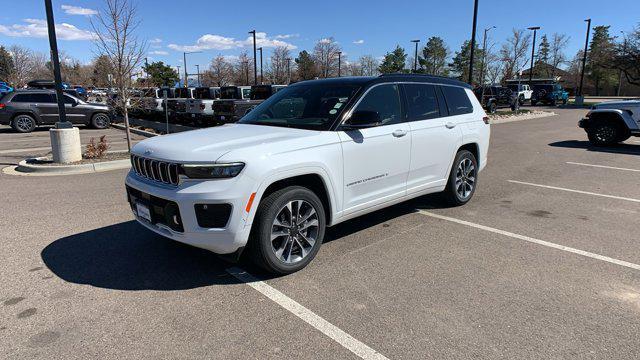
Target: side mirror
[(362, 119)]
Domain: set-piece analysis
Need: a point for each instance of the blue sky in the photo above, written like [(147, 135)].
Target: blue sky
[(361, 27)]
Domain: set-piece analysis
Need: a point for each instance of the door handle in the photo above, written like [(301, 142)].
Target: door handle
[(399, 133), (450, 125)]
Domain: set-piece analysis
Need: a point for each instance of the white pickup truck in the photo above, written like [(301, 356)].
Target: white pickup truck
[(523, 91)]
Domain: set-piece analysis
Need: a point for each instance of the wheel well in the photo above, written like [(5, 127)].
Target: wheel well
[(472, 148), (26, 113), (312, 182), (608, 117)]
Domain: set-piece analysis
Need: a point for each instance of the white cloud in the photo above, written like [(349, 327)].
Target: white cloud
[(155, 41), (359, 42), (287, 36), (37, 28), (325, 41), (219, 42), (158, 52), (76, 10)]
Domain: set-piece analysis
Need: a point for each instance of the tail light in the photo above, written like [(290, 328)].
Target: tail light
[(485, 119), (2, 106)]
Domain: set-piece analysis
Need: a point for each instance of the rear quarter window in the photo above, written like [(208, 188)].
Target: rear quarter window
[(457, 100)]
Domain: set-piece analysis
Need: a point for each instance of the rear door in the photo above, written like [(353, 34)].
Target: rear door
[(376, 159), (435, 136), (76, 112), (45, 105)]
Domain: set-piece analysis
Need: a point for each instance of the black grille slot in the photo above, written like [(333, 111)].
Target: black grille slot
[(160, 171), (212, 215)]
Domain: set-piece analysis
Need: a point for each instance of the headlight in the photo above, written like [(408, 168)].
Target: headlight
[(212, 171)]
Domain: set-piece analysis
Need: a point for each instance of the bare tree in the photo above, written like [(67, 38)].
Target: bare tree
[(115, 28), (325, 55), (557, 56), (242, 71), (514, 52), (278, 66), (369, 65), (220, 72), (23, 65), (353, 69)]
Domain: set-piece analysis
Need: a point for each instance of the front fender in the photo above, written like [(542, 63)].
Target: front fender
[(621, 114)]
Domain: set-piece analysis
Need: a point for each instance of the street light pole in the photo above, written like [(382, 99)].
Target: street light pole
[(473, 40), (533, 49), (198, 72), (339, 63), (261, 76), (584, 57), (624, 50), (255, 61), (288, 70), (186, 76), (484, 54), (62, 122), (415, 58), (178, 66)]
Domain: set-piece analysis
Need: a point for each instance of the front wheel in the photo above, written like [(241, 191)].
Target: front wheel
[(288, 230), (492, 108), (604, 134), (100, 121), (463, 179), (23, 123)]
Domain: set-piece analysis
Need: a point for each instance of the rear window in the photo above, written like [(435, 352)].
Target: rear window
[(32, 98), (183, 93), (204, 93), (228, 92), (457, 100), (246, 93), (260, 92), (422, 102)]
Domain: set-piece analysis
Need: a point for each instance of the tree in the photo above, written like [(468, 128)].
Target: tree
[(540, 67), (514, 53), (114, 27), (460, 63), (220, 72), (161, 74), (369, 65), (601, 54), (627, 58), (6, 65), (394, 61), (242, 71), (278, 66), (307, 69), (556, 53), (325, 55), (434, 57)]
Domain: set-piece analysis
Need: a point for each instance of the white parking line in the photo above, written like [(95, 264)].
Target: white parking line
[(535, 241), (308, 316), (603, 166), (575, 191)]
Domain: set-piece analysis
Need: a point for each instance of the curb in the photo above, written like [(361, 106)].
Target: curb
[(522, 118), (24, 168), (135, 131)]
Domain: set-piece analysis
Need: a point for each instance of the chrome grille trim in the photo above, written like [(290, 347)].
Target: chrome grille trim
[(156, 170)]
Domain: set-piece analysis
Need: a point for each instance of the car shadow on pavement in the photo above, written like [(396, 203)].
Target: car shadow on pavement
[(628, 149), (127, 256)]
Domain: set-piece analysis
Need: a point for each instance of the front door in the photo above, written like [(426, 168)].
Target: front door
[(376, 159)]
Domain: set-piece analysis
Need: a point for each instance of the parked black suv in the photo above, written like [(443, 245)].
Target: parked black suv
[(494, 97), (26, 109)]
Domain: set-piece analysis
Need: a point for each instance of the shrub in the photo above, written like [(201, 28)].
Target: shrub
[(97, 151)]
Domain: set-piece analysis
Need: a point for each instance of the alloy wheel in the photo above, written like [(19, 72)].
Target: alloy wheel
[(24, 123), (465, 178), (294, 231), (605, 134)]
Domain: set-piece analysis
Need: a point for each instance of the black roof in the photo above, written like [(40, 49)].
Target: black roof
[(370, 80)]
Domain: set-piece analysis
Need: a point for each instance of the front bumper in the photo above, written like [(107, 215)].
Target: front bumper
[(225, 240), (583, 123)]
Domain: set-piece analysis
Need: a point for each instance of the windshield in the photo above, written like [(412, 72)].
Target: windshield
[(183, 93), (203, 93), (228, 92), (313, 106), (261, 92)]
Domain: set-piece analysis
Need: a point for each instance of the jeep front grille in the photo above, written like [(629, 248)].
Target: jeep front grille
[(155, 170)]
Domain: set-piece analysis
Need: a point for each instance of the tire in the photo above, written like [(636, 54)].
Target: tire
[(100, 121), (461, 187), (492, 108), (23, 123), (534, 103), (604, 134), (553, 102), (515, 106), (521, 100), (287, 254)]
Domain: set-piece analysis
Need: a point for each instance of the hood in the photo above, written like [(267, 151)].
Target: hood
[(620, 103), (208, 145)]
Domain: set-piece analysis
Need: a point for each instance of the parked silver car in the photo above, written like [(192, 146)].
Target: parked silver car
[(612, 122)]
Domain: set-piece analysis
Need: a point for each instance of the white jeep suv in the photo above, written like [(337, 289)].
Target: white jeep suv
[(313, 155)]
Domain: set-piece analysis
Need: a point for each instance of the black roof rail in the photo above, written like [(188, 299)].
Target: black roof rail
[(432, 78)]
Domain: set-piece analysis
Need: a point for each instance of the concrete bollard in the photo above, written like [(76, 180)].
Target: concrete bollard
[(65, 145)]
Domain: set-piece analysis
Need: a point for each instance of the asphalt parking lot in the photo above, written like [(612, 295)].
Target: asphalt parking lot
[(543, 263)]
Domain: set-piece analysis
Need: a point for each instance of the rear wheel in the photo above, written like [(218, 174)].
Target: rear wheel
[(288, 230), (100, 121), (23, 123), (604, 134), (521, 100), (492, 108), (463, 179)]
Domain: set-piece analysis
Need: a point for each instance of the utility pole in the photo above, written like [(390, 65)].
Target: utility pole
[(178, 66), (339, 63), (198, 72), (473, 40), (261, 76), (186, 76), (584, 61), (533, 49), (255, 61), (624, 50), (62, 122), (288, 70), (415, 58), (484, 54)]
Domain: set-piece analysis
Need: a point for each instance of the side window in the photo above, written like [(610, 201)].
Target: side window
[(422, 102), (42, 98), (68, 100), (457, 100), (246, 93), (385, 100), (21, 98)]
